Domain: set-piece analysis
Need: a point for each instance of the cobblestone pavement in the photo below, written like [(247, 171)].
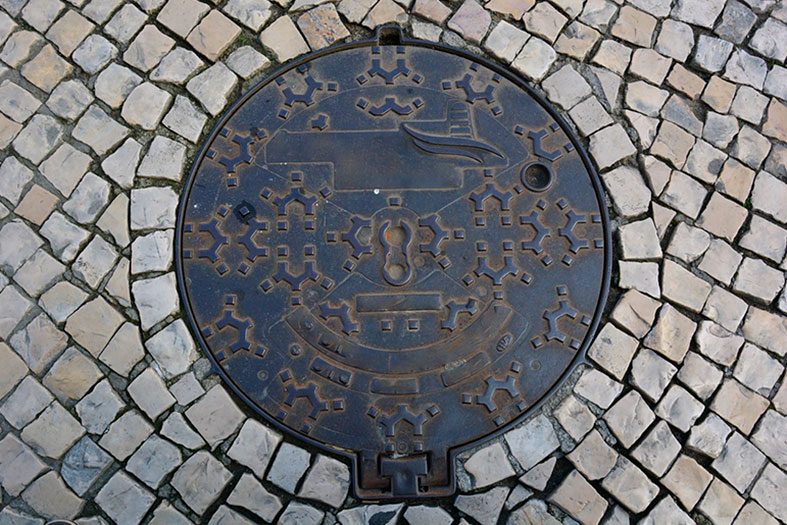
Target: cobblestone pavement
[(108, 411)]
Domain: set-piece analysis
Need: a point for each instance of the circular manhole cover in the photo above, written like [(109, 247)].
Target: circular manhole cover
[(393, 251)]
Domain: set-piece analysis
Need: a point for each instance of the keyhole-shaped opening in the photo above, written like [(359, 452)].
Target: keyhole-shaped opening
[(396, 235)]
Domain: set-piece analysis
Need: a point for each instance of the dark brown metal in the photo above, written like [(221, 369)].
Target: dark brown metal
[(393, 251)]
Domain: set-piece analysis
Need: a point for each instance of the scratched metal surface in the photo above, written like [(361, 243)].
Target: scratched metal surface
[(393, 252)]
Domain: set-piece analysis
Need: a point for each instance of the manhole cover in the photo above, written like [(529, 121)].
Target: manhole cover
[(393, 251)]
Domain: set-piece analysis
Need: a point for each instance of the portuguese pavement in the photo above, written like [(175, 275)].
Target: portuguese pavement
[(108, 410)]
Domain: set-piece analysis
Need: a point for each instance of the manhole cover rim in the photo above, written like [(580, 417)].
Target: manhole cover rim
[(453, 452)]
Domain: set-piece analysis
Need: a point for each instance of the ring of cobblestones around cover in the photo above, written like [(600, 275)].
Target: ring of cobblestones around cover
[(395, 231), (679, 415)]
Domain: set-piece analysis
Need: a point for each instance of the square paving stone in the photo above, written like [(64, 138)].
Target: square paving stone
[(12, 371), (251, 13), (578, 497), (687, 480), (629, 418), (768, 491), (535, 59), (630, 486), (699, 375), (327, 481), (51, 498), (610, 145), (635, 312), (709, 437), (27, 401), (200, 481), (148, 48), (725, 308), (125, 435), (124, 500), (150, 393), (720, 502), (766, 239), (532, 442), (83, 465), (36, 205), (172, 348), (289, 466), (658, 450), (575, 417), (720, 261), (65, 237), (254, 446), (757, 280), (46, 69), (99, 408), (41, 13), (738, 405), (487, 466), (598, 388), (177, 66), (19, 465), (213, 35), (17, 102), (766, 329), (180, 16), (13, 307), (186, 389), (39, 435), (251, 495), (613, 350), (757, 369), (154, 460), (651, 374), (593, 457), (164, 159), (125, 23), (72, 375), (88, 199), (215, 416), (39, 343), (739, 462), (153, 207), (69, 31), (185, 119), (98, 130), (93, 325), (95, 261), (145, 106), (283, 38), (40, 136), (213, 86), (322, 26), (543, 20)]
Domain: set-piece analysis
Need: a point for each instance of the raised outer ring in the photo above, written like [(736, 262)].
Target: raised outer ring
[(607, 267)]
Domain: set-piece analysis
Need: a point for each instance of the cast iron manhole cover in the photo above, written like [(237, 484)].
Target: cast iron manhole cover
[(393, 251)]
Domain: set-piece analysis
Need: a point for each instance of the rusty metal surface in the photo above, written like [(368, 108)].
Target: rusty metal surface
[(393, 252)]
